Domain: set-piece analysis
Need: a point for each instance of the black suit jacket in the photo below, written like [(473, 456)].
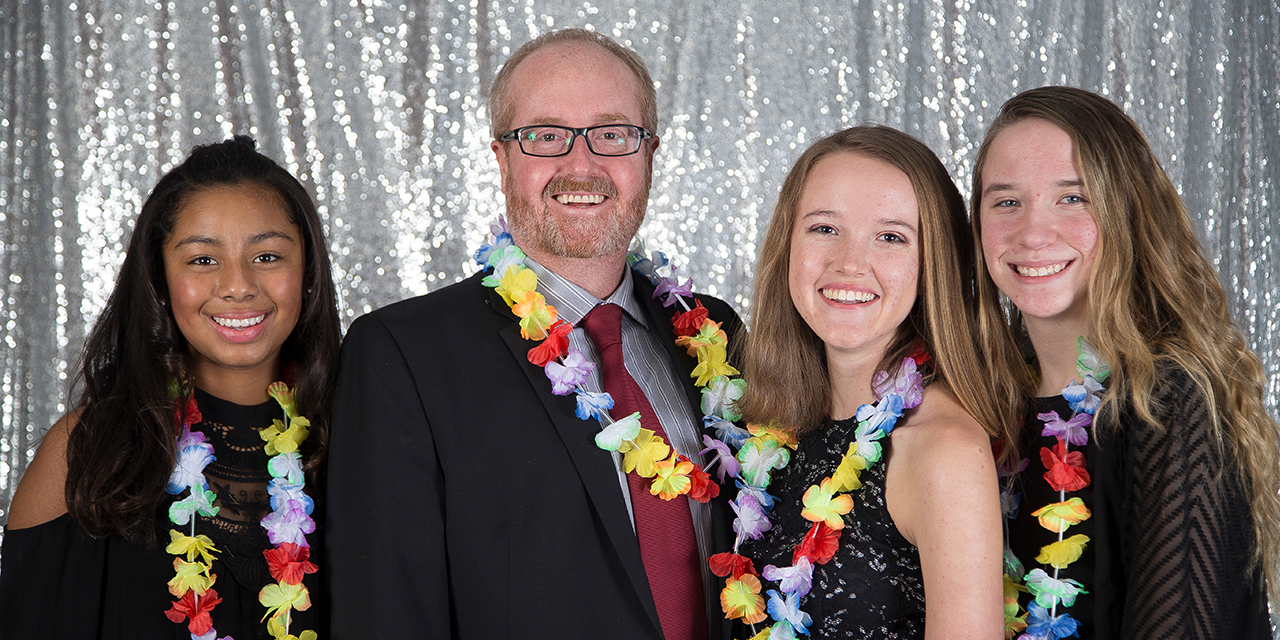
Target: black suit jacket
[(466, 500)]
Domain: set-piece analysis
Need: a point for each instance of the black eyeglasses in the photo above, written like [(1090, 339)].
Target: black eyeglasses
[(546, 141)]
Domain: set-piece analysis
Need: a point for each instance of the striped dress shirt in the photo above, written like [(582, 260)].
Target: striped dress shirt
[(647, 362)]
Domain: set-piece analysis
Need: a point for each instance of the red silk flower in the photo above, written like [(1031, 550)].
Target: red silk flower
[(196, 610), (288, 563), (819, 545), (704, 488), (919, 353), (689, 322), (730, 564), (1066, 470), (187, 412), (555, 346)]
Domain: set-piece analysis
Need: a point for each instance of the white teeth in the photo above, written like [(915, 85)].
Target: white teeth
[(236, 323), (567, 198), (844, 295), (1041, 271)]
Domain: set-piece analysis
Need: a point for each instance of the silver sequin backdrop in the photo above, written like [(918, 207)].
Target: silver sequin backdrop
[(378, 106)]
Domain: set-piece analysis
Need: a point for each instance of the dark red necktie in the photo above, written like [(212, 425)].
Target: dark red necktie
[(664, 527)]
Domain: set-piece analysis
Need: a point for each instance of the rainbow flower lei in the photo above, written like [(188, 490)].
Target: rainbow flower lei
[(825, 505), (643, 452), (286, 525), (1064, 471)]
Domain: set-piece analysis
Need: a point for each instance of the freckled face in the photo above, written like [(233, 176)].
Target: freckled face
[(579, 205), (855, 256), (1039, 236), (234, 264)]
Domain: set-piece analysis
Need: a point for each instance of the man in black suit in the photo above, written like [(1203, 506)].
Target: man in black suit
[(467, 500)]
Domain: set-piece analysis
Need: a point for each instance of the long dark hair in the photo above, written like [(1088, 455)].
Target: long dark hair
[(122, 448)]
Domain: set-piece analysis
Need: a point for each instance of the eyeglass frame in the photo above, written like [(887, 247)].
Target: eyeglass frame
[(514, 136)]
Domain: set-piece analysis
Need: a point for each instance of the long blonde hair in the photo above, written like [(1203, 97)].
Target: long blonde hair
[(784, 362), (1154, 300)]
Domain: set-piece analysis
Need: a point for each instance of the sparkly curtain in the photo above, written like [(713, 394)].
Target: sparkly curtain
[(378, 107)]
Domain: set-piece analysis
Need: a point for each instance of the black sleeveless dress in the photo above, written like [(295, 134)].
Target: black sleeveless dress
[(57, 582), (873, 586)]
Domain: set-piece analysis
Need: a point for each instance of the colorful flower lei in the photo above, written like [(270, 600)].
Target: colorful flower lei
[(1065, 472), (286, 525), (643, 452), (825, 505)]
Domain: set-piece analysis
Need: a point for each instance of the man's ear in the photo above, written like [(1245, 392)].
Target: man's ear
[(500, 154), (653, 149)]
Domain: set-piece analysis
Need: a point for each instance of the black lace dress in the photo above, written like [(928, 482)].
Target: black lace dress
[(1170, 536), (56, 582), (872, 587)]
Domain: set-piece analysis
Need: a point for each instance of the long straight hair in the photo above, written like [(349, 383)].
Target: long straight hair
[(784, 362), (122, 448), (1154, 300)]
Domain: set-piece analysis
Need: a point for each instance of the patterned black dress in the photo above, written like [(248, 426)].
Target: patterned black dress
[(872, 587), (58, 582), (1170, 534)]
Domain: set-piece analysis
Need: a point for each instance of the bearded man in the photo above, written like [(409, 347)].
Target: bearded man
[(465, 498)]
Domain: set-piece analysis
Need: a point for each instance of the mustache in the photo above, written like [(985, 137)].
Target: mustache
[(564, 184)]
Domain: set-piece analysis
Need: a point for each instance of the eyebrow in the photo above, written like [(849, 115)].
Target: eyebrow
[(894, 222), (214, 242), (1004, 186), (603, 117)]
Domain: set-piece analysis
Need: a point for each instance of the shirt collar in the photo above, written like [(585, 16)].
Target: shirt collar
[(573, 302)]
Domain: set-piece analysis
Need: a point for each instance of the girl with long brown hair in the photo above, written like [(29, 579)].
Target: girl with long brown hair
[(863, 316), (1160, 519)]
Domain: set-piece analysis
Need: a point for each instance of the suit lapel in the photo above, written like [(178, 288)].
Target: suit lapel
[(595, 466), (660, 316)]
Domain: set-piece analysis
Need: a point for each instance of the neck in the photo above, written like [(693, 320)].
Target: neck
[(246, 387), (850, 379), (1056, 352), (599, 276)]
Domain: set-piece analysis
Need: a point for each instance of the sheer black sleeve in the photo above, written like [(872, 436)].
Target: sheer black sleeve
[(1189, 534)]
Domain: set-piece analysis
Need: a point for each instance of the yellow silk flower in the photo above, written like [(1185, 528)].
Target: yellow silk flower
[(821, 505), (1058, 516), (278, 627), (1064, 552), (672, 478), (643, 454), (281, 597), (772, 430), (191, 576), (515, 283), (280, 440), (536, 316), (200, 545), (847, 474), (712, 366), (1013, 623), (741, 599)]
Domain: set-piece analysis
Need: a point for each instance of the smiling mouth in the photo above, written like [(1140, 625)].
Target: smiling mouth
[(848, 297), (239, 323), (1040, 272), (569, 198)]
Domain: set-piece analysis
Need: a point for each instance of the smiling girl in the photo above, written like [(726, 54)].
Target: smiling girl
[(224, 290), (882, 521), (1160, 519)]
